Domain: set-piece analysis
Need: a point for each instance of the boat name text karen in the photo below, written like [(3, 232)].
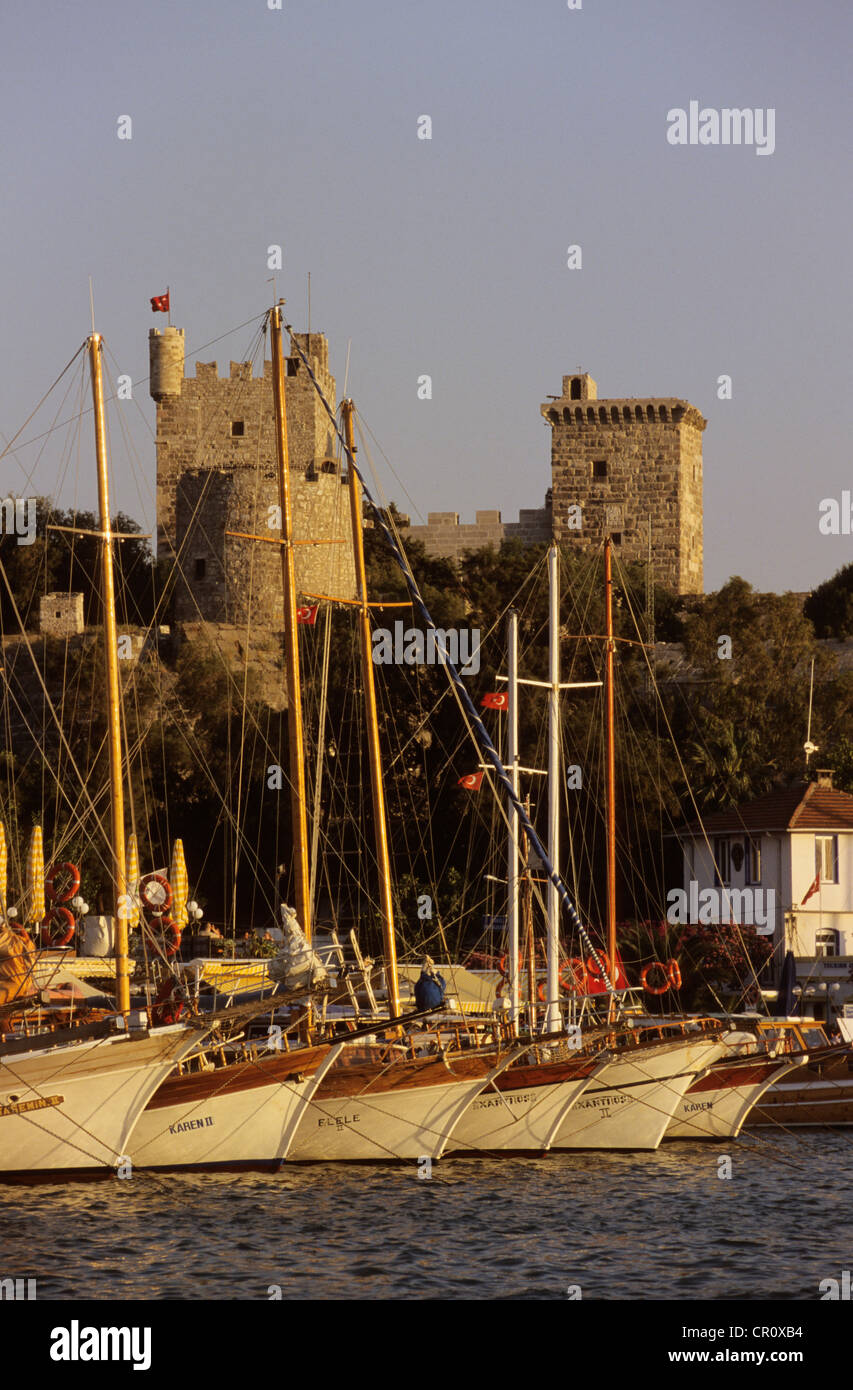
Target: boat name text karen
[(191, 1124)]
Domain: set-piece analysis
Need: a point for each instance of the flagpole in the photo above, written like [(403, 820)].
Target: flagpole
[(512, 846), (380, 828)]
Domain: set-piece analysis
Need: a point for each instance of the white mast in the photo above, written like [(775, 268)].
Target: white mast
[(552, 1012), (512, 849)]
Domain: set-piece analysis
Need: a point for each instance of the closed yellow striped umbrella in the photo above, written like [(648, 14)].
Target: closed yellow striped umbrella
[(4, 865), (133, 881), (35, 878), (180, 885)]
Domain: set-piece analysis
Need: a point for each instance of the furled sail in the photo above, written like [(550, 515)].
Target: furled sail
[(296, 966)]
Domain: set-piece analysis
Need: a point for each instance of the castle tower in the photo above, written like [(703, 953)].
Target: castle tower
[(627, 463), (217, 472)]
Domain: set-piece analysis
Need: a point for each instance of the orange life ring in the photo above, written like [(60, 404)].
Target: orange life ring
[(673, 973), (64, 923), (159, 900), (576, 968), (50, 889), (170, 940), (654, 989), (592, 968), (502, 965)]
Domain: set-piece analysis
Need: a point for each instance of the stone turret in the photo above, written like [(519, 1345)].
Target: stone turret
[(165, 362), (629, 465)]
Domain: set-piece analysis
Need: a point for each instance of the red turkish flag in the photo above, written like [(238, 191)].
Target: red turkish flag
[(307, 614), (472, 782), (814, 888), (160, 303), (595, 981), (498, 699)]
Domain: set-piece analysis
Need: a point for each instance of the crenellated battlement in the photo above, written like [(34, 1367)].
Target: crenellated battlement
[(628, 410)]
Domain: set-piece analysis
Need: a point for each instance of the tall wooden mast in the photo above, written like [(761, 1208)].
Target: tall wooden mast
[(611, 766), (119, 873), (299, 818), (512, 878), (376, 784)]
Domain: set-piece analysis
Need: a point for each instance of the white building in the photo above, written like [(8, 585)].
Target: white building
[(798, 844)]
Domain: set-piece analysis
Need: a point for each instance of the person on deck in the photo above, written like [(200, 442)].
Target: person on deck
[(429, 987)]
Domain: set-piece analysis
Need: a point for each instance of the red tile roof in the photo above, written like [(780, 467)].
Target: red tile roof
[(793, 808)]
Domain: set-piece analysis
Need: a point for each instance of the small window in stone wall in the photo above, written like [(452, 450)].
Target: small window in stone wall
[(616, 537), (292, 366), (599, 468), (58, 613), (238, 429), (576, 388), (200, 568)]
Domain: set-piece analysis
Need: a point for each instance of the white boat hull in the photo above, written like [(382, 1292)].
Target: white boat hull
[(413, 1116), (226, 1124), (520, 1113), (631, 1102), (719, 1112), (73, 1107)]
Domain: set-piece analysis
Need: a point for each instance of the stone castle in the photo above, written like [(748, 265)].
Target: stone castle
[(217, 474), (630, 467)]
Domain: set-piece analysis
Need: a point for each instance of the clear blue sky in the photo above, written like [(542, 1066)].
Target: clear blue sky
[(254, 126)]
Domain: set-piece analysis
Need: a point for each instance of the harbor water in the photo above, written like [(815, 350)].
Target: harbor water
[(681, 1223)]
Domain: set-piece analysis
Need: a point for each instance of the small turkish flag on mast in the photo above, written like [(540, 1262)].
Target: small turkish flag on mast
[(497, 699), (160, 303), (307, 614), (471, 783)]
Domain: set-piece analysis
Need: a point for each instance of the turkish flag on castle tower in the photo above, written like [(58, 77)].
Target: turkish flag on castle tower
[(307, 613), (498, 699), (160, 303)]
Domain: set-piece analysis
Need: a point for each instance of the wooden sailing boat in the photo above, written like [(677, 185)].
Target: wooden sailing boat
[(69, 1098)]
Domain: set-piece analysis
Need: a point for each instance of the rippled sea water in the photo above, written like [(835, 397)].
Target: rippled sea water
[(629, 1226)]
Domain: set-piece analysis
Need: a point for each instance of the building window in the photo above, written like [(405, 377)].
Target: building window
[(826, 857), (616, 537), (722, 861), (753, 861), (826, 941), (576, 389), (200, 568), (599, 468), (238, 429)]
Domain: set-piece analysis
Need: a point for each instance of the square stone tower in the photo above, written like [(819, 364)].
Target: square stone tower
[(625, 465), (217, 473)]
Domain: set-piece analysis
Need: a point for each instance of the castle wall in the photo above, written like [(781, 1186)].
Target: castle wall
[(444, 535), (61, 615)]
